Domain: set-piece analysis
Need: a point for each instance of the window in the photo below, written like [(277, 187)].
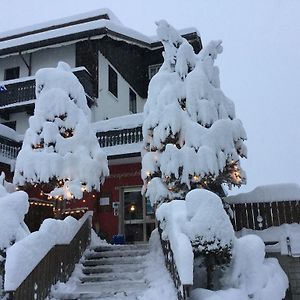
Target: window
[(132, 101), (12, 73), (153, 69), (113, 81)]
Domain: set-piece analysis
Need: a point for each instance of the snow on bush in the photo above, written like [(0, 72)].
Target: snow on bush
[(13, 208), (191, 136), (249, 274), (60, 148), (28, 252)]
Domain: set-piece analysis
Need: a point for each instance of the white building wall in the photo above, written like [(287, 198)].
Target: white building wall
[(108, 105), (51, 56), (40, 59), (12, 62), (22, 121)]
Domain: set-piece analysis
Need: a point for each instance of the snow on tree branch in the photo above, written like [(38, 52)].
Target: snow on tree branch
[(60, 151), (192, 138)]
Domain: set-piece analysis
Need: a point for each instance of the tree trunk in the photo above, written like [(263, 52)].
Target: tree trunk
[(209, 272)]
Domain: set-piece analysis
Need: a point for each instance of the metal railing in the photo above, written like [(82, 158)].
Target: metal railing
[(182, 290), (57, 265), (120, 137), (262, 215), (22, 90)]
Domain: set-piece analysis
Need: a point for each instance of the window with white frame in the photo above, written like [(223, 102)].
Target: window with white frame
[(113, 81), (153, 69), (132, 101)]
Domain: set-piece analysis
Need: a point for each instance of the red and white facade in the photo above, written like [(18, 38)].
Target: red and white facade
[(114, 64)]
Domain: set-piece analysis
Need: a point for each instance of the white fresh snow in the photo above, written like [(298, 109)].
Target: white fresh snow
[(10, 133), (28, 252), (123, 122), (13, 207), (278, 234), (249, 273), (185, 102), (268, 193), (76, 159)]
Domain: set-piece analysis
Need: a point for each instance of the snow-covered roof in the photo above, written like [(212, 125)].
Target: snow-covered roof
[(95, 23), (268, 193), (123, 122), (10, 133)]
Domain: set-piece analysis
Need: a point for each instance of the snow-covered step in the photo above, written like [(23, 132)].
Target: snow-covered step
[(117, 253), (121, 247), (112, 268), (130, 276), (113, 261), (101, 290)]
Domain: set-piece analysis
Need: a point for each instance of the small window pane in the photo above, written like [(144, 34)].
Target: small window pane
[(12, 73), (153, 69), (112, 81), (132, 101)]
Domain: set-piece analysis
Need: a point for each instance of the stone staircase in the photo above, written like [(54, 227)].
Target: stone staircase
[(110, 272)]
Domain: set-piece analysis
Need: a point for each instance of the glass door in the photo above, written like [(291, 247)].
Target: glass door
[(138, 215)]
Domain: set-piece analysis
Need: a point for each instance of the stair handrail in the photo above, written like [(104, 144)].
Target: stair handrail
[(182, 289), (57, 265)]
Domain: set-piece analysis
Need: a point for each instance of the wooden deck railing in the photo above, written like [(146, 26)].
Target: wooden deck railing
[(120, 137), (24, 90), (57, 265), (182, 290), (10, 149), (258, 216)]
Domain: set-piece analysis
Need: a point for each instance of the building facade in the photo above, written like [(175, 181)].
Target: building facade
[(114, 64)]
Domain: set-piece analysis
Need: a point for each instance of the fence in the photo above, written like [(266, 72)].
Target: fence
[(57, 265), (263, 215), (120, 137), (182, 290), (24, 90)]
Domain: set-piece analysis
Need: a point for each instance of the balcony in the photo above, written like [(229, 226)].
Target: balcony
[(19, 94)]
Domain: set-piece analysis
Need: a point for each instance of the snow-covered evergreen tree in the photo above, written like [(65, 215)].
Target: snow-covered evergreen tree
[(60, 153), (191, 136)]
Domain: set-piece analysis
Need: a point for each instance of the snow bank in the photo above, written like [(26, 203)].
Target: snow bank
[(28, 252), (287, 237), (59, 143), (161, 285), (250, 276), (200, 217), (268, 193), (13, 208)]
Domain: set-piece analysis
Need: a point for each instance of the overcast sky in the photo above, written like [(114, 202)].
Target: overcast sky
[(259, 67)]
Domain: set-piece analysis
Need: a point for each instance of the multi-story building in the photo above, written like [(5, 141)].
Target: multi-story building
[(114, 64)]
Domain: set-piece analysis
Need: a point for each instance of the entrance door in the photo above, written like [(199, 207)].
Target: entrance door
[(139, 219)]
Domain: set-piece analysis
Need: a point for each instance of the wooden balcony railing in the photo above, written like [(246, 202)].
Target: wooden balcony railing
[(22, 90), (258, 216), (9, 148), (182, 290), (120, 137), (57, 265)]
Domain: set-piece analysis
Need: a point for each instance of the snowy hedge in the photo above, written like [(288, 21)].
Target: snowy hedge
[(248, 274)]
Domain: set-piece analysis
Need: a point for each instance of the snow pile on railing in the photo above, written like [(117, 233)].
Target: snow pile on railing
[(25, 255), (285, 238), (10, 133), (13, 208), (248, 275), (268, 193)]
